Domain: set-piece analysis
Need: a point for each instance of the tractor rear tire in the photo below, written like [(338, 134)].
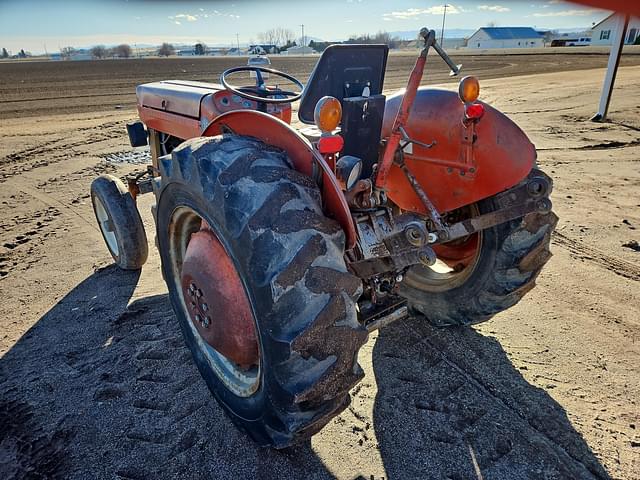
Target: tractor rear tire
[(289, 257), (510, 257), (119, 221)]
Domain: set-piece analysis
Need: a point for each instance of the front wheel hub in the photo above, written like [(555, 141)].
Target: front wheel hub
[(216, 301)]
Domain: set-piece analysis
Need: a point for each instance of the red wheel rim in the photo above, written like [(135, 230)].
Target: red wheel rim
[(216, 300)]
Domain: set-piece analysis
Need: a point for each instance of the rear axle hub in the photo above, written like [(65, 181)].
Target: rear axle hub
[(216, 301)]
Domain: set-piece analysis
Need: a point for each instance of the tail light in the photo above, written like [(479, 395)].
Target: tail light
[(330, 144), (473, 111)]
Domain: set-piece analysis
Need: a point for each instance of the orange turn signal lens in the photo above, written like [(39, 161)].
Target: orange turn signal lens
[(469, 89), (327, 114)]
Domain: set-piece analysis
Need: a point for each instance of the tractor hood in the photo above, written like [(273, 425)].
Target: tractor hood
[(176, 96)]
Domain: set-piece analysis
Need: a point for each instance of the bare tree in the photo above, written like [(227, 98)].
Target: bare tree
[(166, 49), (278, 36), (269, 37), (122, 51), (66, 52), (380, 37), (288, 36), (5, 54), (99, 51)]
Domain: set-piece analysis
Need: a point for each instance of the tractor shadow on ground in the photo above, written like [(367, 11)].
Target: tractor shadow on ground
[(100, 388), (450, 404)]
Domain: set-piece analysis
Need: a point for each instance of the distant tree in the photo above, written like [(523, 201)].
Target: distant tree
[(166, 49), (380, 37), (99, 51), (637, 42), (200, 48), (492, 24), (280, 37), (122, 51), (288, 45), (66, 52), (22, 54), (319, 46), (5, 54)]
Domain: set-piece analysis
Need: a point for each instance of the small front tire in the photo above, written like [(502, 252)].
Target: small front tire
[(119, 222)]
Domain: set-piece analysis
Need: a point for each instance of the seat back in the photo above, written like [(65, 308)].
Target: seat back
[(344, 71)]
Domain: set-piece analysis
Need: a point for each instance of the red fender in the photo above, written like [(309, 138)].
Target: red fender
[(274, 131), (501, 156)]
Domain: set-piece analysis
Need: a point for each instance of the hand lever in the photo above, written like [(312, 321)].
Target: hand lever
[(430, 41)]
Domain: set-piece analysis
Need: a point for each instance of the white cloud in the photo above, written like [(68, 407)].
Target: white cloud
[(185, 16), (194, 18), (570, 13), (494, 8), (418, 12)]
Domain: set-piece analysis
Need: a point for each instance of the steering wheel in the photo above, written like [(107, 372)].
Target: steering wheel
[(260, 93)]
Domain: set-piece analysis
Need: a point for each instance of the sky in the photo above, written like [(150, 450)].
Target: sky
[(36, 25)]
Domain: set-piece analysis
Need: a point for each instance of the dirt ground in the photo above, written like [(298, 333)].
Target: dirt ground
[(95, 381)]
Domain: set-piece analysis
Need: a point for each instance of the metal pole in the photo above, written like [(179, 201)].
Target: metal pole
[(612, 68), (303, 42), (444, 16)]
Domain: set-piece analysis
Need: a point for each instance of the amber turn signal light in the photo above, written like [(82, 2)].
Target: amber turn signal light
[(327, 114), (469, 89)]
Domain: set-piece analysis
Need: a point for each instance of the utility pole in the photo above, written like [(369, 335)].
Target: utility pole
[(612, 67), (238, 42), (303, 42), (444, 16)]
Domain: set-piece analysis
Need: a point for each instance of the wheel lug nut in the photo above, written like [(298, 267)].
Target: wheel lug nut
[(193, 305), (198, 318), (205, 307), (198, 293), (206, 322)]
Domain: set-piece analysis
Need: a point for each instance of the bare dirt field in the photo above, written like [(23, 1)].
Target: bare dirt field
[(95, 381)]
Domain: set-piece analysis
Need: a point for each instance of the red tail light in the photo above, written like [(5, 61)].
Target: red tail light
[(473, 111), (330, 144)]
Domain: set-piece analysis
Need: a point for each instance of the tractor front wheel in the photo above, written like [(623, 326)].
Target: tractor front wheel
[(480, 276), (257, 279), (119, 222)]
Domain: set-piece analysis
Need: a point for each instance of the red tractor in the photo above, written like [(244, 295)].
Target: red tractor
[(282, 249)]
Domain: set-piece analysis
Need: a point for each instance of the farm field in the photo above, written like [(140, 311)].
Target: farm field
[(45, 88), (95, 380)]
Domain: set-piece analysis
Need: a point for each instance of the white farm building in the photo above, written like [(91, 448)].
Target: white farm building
[(604, 32), (505, 37)]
